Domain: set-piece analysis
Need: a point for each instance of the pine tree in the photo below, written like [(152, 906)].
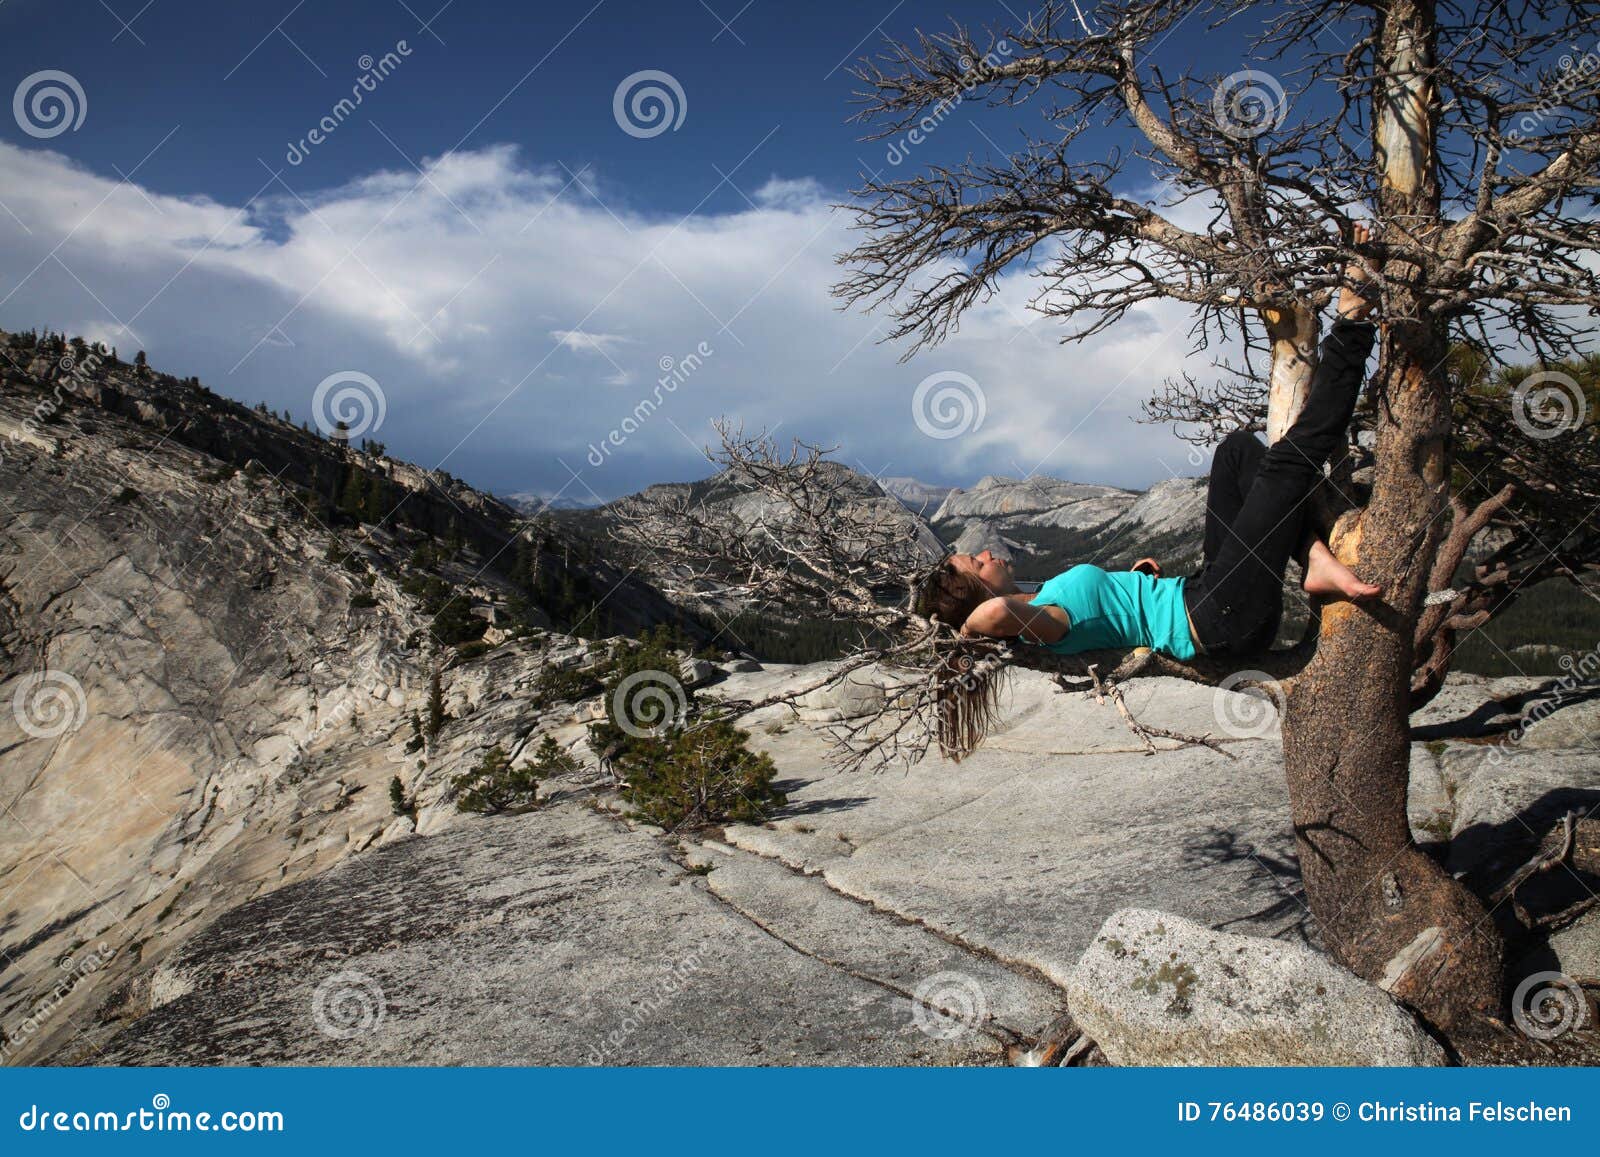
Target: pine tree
[(436, 714), (494, 785), (377, 502), (399, 802), (353, 500)]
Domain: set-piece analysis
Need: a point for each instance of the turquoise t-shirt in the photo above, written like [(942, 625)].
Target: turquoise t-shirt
[(1117, 609)]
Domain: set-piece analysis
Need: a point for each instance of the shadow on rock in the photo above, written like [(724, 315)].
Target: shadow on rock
[(1503, 716), (1220, 846)]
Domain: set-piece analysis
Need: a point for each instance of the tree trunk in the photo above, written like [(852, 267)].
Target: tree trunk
[(1387, 911)]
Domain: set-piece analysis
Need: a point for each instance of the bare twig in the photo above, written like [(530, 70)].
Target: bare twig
[(1113, 691)]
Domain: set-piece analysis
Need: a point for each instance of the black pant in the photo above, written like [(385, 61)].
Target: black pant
[(1256, 502)]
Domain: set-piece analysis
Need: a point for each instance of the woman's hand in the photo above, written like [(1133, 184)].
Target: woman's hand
[(1353, 304), (1147, 566)]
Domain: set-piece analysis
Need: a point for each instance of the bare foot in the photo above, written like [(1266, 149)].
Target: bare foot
[(1327, 577)]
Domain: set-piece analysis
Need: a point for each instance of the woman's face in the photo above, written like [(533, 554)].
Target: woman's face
[(994, 573)]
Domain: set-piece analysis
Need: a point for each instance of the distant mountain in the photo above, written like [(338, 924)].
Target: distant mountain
[(1046, 501), (723, 498), (530, 503), (1043, 524), (769, 631), (915, 495), (1046, 524)]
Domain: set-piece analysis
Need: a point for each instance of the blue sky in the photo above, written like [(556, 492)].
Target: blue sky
[(483, 239)]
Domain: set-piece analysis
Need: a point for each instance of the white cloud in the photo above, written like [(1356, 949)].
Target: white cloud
[(579, 341), (514, 316)]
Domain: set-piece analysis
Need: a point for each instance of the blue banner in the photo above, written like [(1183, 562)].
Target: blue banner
[(801, 1111)]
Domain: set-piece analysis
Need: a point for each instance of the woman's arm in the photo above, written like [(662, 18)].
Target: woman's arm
[(1013, 616)]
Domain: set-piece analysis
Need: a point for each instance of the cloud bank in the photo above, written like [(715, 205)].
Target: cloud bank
[(517, 314)]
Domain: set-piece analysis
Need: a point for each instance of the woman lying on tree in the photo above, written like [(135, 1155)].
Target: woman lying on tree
[(1255, 521)]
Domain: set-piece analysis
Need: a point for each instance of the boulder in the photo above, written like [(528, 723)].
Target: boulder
[(1577, 947), (1156, 989), (1577, 726), (852, 697), (694, 672)]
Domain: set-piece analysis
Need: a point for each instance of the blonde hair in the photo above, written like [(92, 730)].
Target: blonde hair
[(966, 697), (967, 680)]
